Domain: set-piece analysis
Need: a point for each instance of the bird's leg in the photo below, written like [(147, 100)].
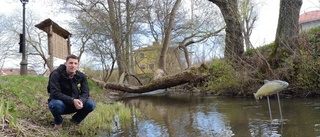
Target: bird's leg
[(269, 109), (279, 107), (270, 115)]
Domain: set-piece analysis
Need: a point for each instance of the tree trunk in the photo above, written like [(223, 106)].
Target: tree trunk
[(163, 83), (234, 40), (116, 37), (128, 42), (162, 59), (287, 31)]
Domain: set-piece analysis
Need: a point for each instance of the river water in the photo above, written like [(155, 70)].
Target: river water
[(186, 115)]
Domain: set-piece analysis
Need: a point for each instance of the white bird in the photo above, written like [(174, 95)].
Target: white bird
[(270, 87)]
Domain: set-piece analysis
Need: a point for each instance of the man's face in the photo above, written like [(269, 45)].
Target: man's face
[(72, 66)]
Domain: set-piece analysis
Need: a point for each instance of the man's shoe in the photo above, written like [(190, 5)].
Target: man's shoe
[(78, 124), (57, 127)]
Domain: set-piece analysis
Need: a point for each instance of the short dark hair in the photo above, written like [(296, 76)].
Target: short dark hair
[(72, 56)]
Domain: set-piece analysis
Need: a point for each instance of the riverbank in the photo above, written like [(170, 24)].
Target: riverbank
[(24, 112)]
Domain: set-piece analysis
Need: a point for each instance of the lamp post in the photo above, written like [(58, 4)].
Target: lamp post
[(24, 61)]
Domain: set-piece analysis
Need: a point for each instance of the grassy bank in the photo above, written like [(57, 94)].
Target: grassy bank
[(24, 111), (300, 68)]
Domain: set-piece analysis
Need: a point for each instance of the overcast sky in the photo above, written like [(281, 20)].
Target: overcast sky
[(266, 26), (264, 32)]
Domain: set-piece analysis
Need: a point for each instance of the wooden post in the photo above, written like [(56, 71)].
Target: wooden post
[(56, 41), (50, 44)]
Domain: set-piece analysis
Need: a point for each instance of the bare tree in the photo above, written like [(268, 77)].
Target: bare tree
[(12, 30), (186, 31), (166, 42), (37, 44), (111, 20), (206, 23), (83, 33), (116, 34), (105, 56), (113, 23), (4, 41), (249, 15), (36, 40), (187, 41)]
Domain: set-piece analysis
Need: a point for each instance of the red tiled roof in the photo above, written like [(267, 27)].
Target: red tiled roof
[(309, 16)]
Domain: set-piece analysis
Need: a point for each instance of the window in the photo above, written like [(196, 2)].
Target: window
[(151, 66), (141, 55), (142, 66)]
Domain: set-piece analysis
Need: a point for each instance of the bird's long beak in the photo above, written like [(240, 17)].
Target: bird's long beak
[(257, 100)]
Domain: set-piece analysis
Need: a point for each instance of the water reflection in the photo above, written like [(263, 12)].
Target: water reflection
[(211, 124), (209, 116)]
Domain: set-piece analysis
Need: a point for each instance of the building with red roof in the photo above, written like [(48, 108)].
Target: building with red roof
[(309, 20)]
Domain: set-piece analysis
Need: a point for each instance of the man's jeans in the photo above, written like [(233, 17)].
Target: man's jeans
[(58, 108)]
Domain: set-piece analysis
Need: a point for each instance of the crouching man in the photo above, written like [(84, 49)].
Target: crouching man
[(69, 93)]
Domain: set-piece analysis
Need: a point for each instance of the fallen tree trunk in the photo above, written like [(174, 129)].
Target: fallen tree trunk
[(161, 83)]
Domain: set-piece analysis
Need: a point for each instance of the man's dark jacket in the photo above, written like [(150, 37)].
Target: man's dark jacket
[(66, 89)]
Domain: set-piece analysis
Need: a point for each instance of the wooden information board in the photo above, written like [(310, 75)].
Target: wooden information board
[(60, 46)]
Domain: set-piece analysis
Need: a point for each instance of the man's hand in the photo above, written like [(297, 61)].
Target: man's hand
[(78, 104)]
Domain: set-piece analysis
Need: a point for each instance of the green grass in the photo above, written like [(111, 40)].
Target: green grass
[(23, 108), (222, 78), (107, 117)]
